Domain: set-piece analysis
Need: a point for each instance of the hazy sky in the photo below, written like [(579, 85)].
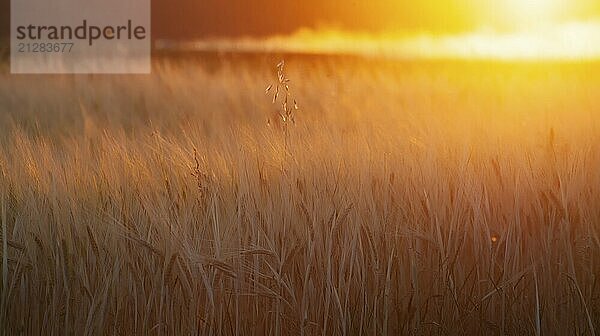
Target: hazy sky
[(202, 18), (264, 17)]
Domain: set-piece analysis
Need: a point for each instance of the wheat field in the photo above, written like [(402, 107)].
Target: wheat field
[(408, 198)]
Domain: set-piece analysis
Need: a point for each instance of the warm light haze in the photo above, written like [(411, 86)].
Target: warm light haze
[(300, 168), (506, 30), (568, 41)]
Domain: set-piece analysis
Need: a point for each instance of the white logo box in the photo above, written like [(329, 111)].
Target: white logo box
[(80, 36)]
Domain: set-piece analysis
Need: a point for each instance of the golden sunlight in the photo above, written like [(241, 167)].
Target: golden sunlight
[(534, 12), (314, 167), (431, 29), (567, 41)]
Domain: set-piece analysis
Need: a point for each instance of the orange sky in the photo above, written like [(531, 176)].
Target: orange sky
[(506, 29), (421, 28), (234, 18)]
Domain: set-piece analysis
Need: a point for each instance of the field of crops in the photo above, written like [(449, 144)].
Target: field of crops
[(394, 198)]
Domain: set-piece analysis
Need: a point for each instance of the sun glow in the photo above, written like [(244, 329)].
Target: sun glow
[(502, 29), (569, 41), (528, 13)]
